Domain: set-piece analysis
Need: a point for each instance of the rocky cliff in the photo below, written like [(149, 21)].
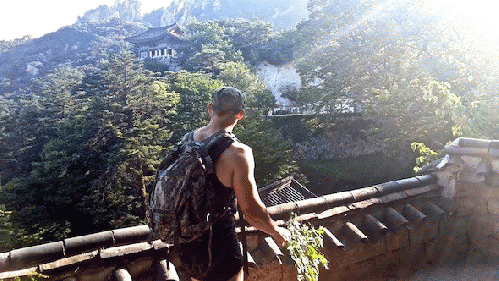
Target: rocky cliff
[(279, 80), (284, 14), (126, 10)]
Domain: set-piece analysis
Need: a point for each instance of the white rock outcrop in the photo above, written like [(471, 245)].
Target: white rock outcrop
[(280, 79), (33, 67)]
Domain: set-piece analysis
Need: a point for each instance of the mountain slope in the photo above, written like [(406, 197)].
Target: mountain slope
[(284, 14)]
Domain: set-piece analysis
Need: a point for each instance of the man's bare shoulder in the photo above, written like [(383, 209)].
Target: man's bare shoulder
[(235, 164), (238, 151)]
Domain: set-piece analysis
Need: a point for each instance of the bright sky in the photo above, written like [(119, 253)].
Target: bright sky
[(38, 17), (478, 19)]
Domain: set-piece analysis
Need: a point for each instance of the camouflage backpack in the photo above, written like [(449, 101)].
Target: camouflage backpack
[(182, 197)]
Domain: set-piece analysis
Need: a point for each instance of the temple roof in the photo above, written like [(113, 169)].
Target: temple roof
[(284, 191), (172, 32)]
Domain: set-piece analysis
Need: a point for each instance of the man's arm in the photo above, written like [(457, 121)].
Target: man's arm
[(245, 188)]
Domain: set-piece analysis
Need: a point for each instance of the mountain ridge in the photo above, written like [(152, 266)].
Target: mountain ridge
[(283, 14)]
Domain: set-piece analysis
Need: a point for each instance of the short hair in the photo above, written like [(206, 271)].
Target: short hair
[(228, 100)]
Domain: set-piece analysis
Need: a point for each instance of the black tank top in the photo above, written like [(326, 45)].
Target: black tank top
[(224, 196)]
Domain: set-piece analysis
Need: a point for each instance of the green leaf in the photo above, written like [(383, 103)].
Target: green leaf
[(303, 246)]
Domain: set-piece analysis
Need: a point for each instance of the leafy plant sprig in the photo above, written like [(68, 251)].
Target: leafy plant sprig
[(33, 276), (303, 246)]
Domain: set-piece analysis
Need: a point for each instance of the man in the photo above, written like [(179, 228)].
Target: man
[(234, 172)]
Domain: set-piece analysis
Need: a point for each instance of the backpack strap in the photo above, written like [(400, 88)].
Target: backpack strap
[(220, 144), (243, 238), (186, 138), (215, 144)]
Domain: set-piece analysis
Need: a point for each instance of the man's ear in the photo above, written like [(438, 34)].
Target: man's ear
[(210, 109), (240, 114)]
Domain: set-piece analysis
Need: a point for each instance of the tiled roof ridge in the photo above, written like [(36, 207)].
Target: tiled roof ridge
[(283, 191), (34, 255), (276, 184), (383, 193), (156, 33), (473, 146), (346, 198)]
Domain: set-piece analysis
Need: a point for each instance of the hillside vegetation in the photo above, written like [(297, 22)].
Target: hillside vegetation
[(83, 124)]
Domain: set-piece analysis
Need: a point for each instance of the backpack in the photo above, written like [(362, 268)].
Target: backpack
[(182, 198)]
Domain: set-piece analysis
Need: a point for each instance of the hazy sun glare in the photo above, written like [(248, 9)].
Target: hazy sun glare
[(478, 19), (18, 18)]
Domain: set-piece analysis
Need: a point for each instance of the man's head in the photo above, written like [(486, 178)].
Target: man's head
[(228, 100)]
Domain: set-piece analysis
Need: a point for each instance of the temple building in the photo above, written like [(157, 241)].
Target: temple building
[(160, 43)]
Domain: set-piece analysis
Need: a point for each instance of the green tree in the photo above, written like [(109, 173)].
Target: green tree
[(29, 119), (215, 42), (57, 88), (208, 45), (92, 172), (207, 60), (238, 75), (394, 60), (195, 90), (6, 231), (133, 111)]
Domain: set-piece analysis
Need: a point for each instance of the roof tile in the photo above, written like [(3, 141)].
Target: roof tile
[(125, 250), (282, 209), (330, 241), (131, 234), (364, 204), (387, 187), (354, 233), (312, 205), (89, 242), (392, 197), (472, 142), (409, 183), (30, 256), (419, 190), (494, 148), (339, 198), (413, 214), (332, 212), (394, 219), (68, 261), (364, 193), (374, 225), (432, 210)]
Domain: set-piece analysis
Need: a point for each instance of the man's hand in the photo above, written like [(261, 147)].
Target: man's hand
[(282, 236)]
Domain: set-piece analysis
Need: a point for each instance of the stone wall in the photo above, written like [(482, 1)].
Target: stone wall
[(342, 136), (384, 232), (470, 174), (442, 234), (334, 145), (397, 230)]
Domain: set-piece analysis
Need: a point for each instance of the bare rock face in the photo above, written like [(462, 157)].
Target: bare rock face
[(127, 10), (280, 79), (284, 14), (33, 67)]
